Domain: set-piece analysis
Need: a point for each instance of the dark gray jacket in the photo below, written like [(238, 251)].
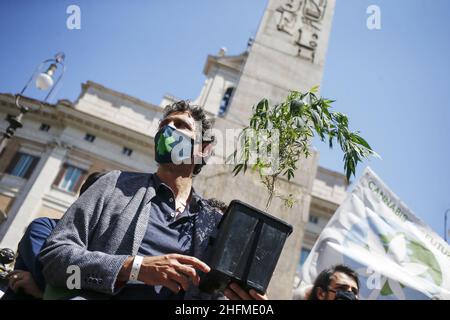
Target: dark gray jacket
[(106, 225)]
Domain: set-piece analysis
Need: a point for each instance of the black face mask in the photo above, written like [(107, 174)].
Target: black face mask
[(345, 295), (173, 146)]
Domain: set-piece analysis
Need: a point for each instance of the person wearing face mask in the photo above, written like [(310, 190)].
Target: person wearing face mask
[(335, 283), (143, 235)]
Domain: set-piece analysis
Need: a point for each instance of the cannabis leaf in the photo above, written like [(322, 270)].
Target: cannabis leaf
[(164, 144)]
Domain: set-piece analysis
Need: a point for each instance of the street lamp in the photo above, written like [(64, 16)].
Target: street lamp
[(45, 81), (445, 224)]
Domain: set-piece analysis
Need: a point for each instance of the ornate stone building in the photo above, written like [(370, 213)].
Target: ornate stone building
[(44, 165)]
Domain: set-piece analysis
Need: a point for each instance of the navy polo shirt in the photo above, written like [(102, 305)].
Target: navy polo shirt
[(166, 233)]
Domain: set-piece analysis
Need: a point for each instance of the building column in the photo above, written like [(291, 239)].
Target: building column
[(29, 200)]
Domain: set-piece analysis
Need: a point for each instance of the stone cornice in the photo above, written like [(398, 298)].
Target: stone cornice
[(323, 205), (106, 127), (64, 113), (234, 63), (334, 174), (100, 88)]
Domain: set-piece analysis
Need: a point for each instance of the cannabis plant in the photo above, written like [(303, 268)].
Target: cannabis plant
[(290, 126)]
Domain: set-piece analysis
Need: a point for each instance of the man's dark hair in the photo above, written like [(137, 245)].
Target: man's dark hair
[(198, 113), (94, 176), (324, 278), (217, 204)]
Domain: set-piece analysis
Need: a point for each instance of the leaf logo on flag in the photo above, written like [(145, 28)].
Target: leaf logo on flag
[(413, 257), (409, 254)]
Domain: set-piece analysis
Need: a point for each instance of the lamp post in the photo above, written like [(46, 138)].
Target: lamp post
[(445, 224), (44, 80)]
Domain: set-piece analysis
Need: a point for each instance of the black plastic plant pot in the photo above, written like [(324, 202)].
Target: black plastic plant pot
[(246, 250)]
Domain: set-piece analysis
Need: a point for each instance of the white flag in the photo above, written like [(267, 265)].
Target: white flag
[(396, 255)]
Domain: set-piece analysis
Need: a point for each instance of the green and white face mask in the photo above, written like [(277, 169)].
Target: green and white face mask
[(173, 146)]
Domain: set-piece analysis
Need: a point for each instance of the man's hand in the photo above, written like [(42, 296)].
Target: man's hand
[(173, 271), (20, 279), (235, 292)]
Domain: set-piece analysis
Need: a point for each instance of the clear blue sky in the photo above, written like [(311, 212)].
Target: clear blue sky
[(393, 83)]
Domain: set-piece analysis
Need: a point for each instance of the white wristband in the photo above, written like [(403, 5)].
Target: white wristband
[(136, 267)]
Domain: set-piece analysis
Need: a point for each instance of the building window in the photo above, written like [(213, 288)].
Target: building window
[(303, 255), (224, 104), (44, 127), (127, 151), (69, 178), (22, 165), (89, 137), (313, 219)]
